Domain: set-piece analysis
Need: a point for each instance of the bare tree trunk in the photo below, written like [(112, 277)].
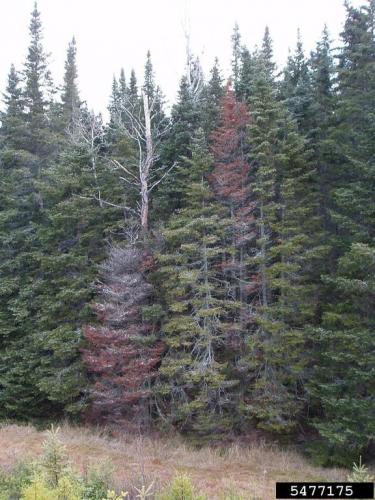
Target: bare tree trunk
[(144, 204), (146, 165)]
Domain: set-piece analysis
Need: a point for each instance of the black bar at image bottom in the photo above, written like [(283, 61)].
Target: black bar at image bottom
[(325, 490)]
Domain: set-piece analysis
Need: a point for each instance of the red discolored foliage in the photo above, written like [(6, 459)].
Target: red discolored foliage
[(123, 352), (230, 180), (230, 177)]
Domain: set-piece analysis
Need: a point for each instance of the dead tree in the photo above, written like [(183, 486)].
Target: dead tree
[(123, 349), (146, 131), (86, 131)]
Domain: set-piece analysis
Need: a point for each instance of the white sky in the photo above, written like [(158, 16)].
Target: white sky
[(115, 33)]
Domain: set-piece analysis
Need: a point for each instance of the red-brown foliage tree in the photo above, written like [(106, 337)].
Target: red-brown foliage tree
[(230, 180), (123, 352)]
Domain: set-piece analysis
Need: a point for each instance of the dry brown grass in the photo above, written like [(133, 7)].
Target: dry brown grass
[(250, 471)]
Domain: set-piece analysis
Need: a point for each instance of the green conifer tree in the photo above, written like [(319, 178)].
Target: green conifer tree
[(212, 95), (296, 87), (288, 222), (70, 94), (194, 388)]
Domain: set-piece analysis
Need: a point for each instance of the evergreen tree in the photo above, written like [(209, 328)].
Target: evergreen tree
[(133, 88), (246, 75), (212, 95), (73, 239), (341, 388), (266, 52), (28, 141), (122, 84), (149, 83), (287, 222), (353, 131), (296, 88), (38, 85), (114, 102), (13, 125), (123, 350), (185, 120), (230, 181), (70, 94), (194, 389), (341, 385), (321, 148), (236, 57)]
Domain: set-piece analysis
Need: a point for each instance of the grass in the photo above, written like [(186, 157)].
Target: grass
[(250, 470)]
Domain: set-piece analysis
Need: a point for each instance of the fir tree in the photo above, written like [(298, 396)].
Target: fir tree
[(247, 74), (212, 95), (133, 88), (123, 349), (230, 181), (284, 186), (194, 389), (353, 132), (185, 120), (122, 84), (149, 83), (37, 86), (296, 87), (70, 94), (22, 214), (236, 57), (341, 384), (343, 342)]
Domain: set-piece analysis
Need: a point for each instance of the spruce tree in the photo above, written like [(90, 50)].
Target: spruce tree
[(194, 388), (236, 57), (122, 84), (246, 75), (185, 120), (70, 94), (38, 86), (340, 386), (287, 221), (296, 88), (22, 215), (148, 81), (212, 95), (353, 132), (230, 180), (74, 237), (123, 350)]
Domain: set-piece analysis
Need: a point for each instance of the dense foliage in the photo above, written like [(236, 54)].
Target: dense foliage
[(210, 271)]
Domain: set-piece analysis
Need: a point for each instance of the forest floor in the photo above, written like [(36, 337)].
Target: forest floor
[(250, 471)]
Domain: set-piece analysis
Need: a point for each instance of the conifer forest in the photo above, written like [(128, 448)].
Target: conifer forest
[(207, 270)]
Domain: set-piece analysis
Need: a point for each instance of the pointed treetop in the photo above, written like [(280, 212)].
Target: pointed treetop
[(133, 88), (266, 51), (70, 95), (37, 77), (149, 84), (236, 55), (12, 97), (122, 82)]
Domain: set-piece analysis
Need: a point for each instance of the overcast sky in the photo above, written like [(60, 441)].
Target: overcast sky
[(112, 34)]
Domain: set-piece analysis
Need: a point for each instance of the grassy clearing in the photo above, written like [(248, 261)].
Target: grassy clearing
[(249, 470)]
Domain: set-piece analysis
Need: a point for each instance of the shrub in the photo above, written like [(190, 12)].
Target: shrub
[(38, 490), (97, 482), (54, 462), (12, 484), (360, 473), (181, 488)]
